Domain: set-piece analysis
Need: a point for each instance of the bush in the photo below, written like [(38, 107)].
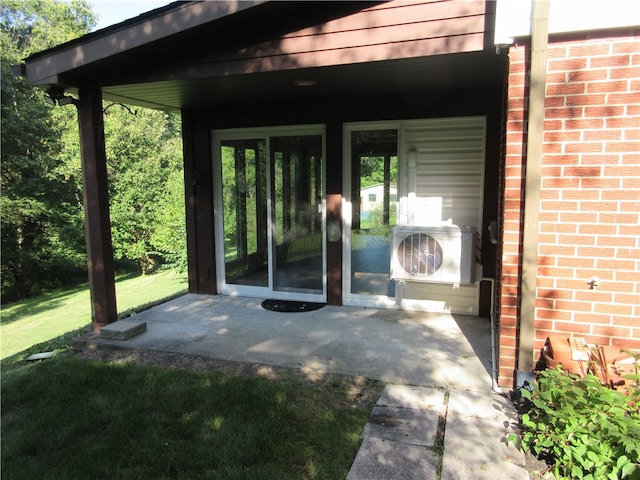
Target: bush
[(589, 430)]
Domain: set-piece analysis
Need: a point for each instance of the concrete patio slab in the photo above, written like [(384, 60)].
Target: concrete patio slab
[(411, 426), (475, 441), (395, 346), (380, 459), (405, 396), (479, 405), (421, 356)]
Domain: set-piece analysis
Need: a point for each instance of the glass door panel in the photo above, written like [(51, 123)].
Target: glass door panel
[(244, 211), (296, 165), (374, 180)]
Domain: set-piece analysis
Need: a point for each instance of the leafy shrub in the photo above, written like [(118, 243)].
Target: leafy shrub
[(591, 431)]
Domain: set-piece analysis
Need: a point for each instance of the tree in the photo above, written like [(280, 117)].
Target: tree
[(43, 239), (144, 164), (41, 213), (169, 239)]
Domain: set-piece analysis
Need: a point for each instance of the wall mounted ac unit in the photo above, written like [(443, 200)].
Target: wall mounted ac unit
[(436, 254)]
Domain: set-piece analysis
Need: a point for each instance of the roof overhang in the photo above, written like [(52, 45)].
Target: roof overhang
[(203, 53), (476, 70), (48, 67)]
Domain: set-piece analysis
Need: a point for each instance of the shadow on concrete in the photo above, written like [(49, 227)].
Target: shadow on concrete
[(395, 346)]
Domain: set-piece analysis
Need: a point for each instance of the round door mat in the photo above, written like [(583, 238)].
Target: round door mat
[(291, 306)]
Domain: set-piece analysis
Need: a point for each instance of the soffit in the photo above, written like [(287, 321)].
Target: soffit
[(474, 70)]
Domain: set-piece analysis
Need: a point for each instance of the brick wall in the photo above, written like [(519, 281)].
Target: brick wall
[(590, 195)]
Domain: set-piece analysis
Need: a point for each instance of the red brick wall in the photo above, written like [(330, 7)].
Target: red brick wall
[(590, 195)]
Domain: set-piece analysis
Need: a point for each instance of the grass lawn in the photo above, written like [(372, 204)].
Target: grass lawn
[(72, 418), (47, 316), (69, 417)]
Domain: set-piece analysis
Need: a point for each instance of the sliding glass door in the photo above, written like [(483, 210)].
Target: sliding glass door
[(244, 211), (270, 212), (371, 176), (298, 264)]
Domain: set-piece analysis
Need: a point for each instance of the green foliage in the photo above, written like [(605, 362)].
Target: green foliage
[(144, 163), (369, 146), (27, 24), (43, 227), (169, 238), (591, 431), (41, 214), (375, 219), (372, 171)]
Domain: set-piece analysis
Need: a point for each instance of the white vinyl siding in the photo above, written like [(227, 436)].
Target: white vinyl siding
[(449, 165), (441, 170)]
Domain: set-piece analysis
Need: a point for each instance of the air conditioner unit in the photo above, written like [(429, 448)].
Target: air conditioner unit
[(436, 254)]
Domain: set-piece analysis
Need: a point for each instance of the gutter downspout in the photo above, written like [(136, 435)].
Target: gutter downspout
[(494, 347), (533, 167)]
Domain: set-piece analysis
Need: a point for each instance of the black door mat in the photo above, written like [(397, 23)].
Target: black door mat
[(291, 306)]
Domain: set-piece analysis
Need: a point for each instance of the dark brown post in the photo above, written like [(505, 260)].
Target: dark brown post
[(334, 213), (96, 208), (198, 180)]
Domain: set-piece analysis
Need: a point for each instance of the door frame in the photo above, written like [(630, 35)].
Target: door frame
[(265, 133), (405, 196), (349, 298)]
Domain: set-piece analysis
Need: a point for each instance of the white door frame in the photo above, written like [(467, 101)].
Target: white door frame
[(252, 290), (415, 300), (348, 298)]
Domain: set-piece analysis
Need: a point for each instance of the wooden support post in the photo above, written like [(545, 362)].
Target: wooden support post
[(334, 212), (96, 208), (537, 82)]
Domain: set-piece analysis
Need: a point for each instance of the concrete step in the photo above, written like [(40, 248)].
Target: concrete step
[(123, 329)]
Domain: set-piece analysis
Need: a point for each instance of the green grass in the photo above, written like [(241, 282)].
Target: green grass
[(69, 418), (47, 316)]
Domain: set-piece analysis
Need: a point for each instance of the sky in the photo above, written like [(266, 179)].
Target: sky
[(116, 11)]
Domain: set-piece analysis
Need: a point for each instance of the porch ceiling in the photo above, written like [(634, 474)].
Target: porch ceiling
[(473, 70)]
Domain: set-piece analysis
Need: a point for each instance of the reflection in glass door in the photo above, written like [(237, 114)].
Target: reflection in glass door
[(374, 180), (269, 214), (244, 207), (297, 214)]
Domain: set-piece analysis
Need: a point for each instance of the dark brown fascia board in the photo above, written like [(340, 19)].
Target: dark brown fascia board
[(45, 67)]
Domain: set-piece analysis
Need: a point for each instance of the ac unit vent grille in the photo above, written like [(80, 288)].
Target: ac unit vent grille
[(420, 254), (436, 254)]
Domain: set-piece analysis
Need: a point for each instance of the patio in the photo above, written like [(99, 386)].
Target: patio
[(437, 366), (395, 346)]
